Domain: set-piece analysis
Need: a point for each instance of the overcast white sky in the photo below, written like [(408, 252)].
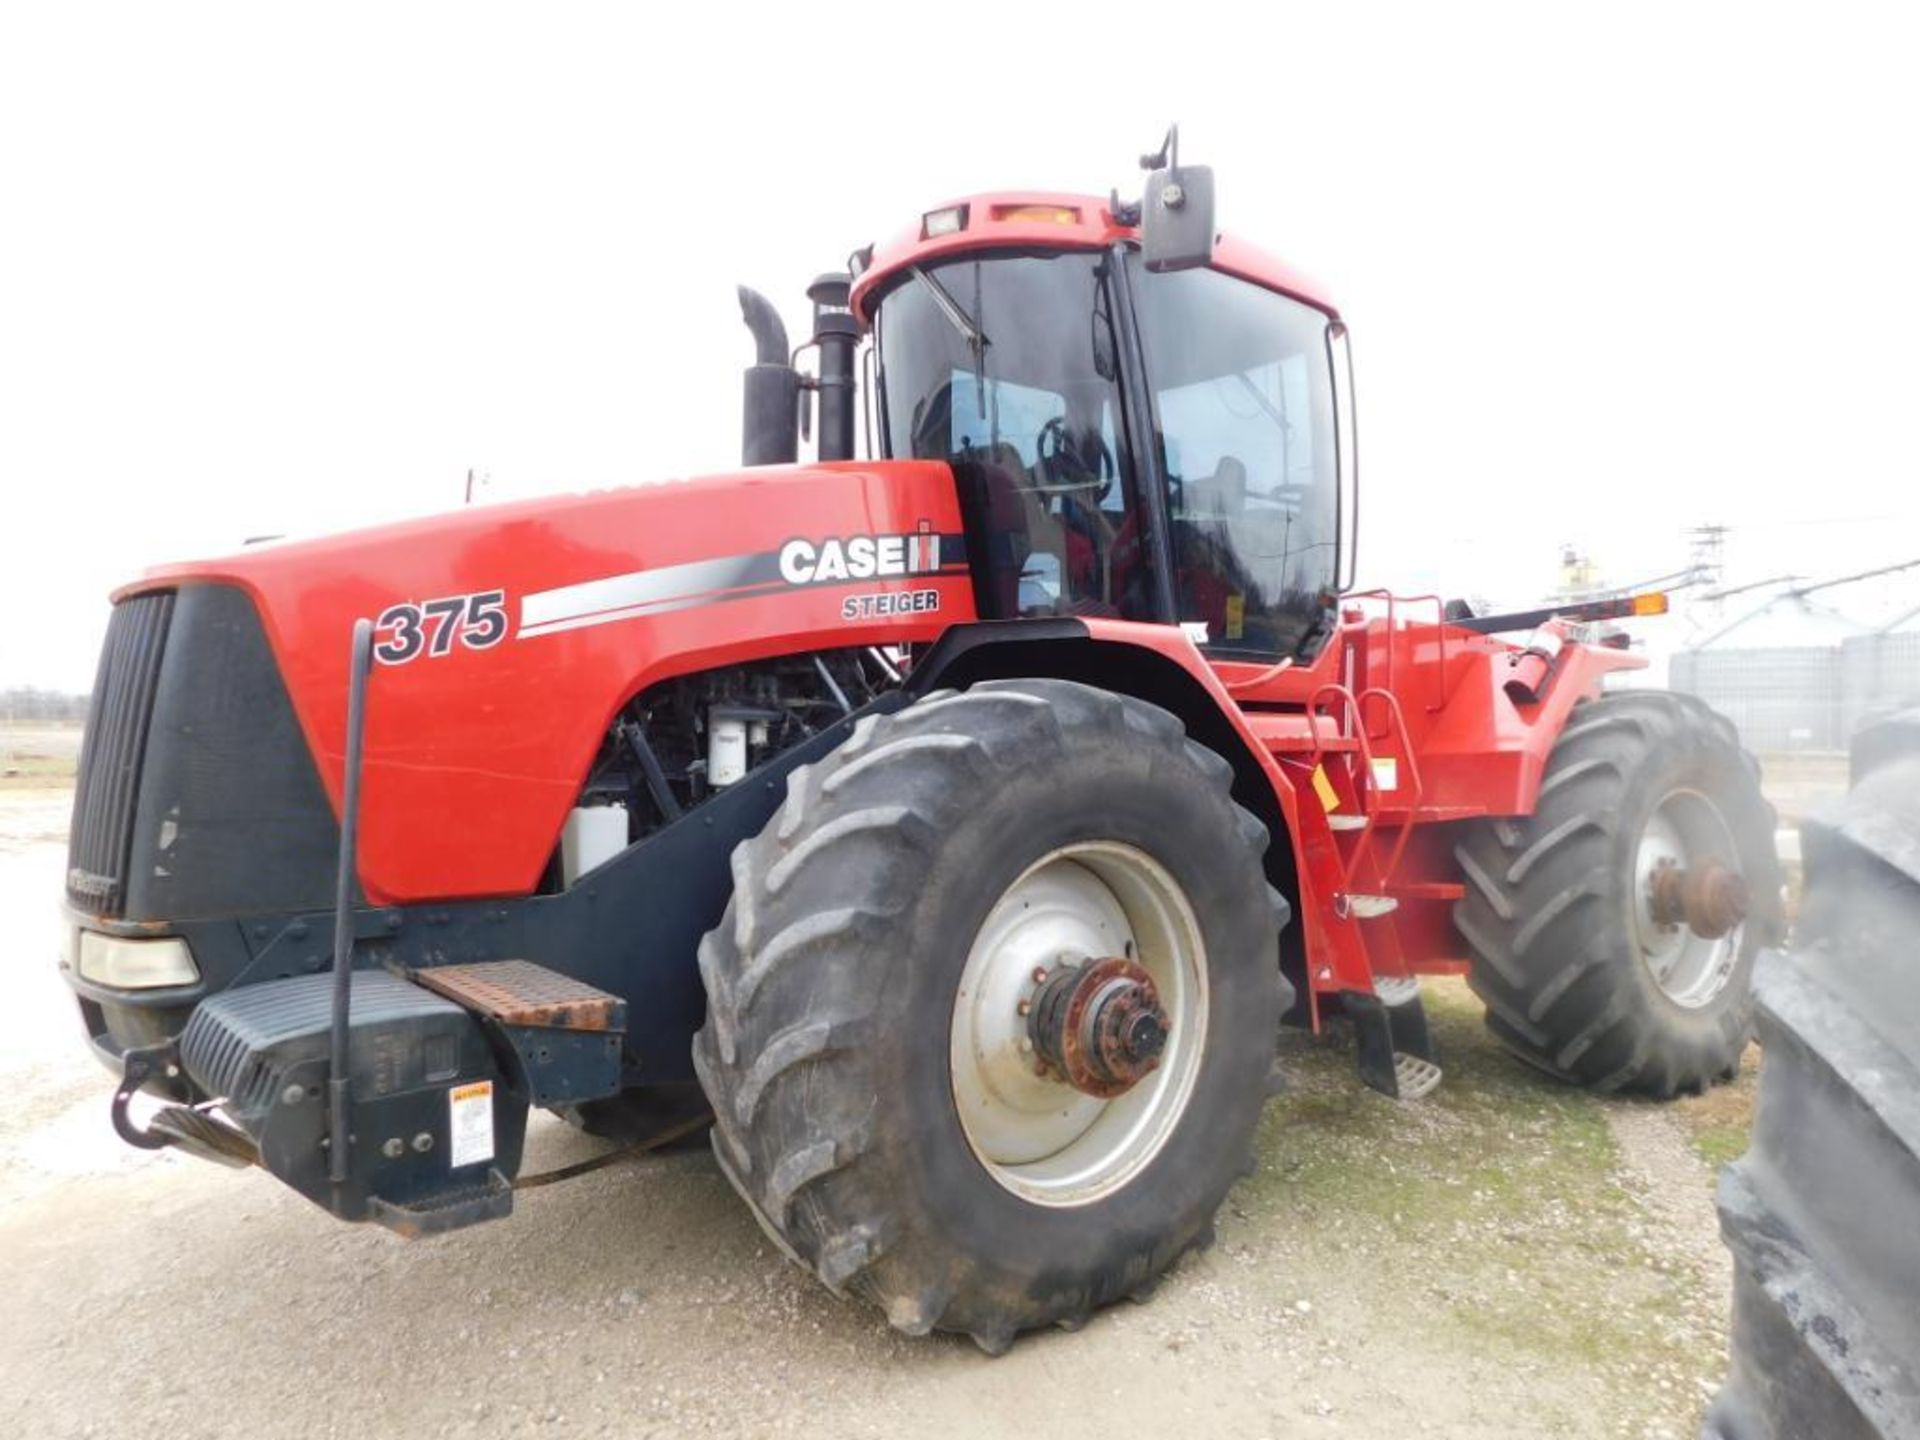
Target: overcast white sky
[(1612, 270)]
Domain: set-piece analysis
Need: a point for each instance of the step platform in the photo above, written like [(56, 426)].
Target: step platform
[(565, 1035), (1392, 1044), (1414, 1077), (519, 992)]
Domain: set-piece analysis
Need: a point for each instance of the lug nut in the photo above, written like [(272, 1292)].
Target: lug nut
[(1025, 1007), (1039, 974), (423, 1142), (394, 1148)]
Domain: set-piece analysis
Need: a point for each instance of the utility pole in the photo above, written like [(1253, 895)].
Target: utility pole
[(1707, 555)]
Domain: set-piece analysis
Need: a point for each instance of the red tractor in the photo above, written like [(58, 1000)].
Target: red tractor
[(954, 828)]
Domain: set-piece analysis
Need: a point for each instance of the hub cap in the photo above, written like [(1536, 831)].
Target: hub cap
[(1079, 1024), (1690, 899)]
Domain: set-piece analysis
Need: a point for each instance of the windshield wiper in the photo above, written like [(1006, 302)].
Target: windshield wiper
[(968, 327), (1274, 413), (975, 337)]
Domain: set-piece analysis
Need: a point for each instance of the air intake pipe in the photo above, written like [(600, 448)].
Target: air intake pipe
[(770, 428), (836, 335)]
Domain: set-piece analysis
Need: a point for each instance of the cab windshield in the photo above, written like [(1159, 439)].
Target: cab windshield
[(1007, 367), (1004, 367)]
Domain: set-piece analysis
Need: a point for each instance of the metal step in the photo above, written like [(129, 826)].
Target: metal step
[(488, 1199), (1415, 1077), (1396, 989), (1371, 907), (518, 992), (566, 1034), (1347, 822)]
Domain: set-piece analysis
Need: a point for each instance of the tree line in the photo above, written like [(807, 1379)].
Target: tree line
[(28, 704)]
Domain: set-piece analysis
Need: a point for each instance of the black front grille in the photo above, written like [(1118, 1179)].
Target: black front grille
[(110, 756)]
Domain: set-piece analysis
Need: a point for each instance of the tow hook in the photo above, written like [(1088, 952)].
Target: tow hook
[(195, 1130)]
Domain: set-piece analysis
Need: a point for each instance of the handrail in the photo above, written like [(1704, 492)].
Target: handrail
[(1367, 781), (1440, 630), (1417, 785), (339, 1100), (1350, 863)]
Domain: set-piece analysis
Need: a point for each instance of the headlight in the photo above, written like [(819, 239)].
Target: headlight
[(135, 964)]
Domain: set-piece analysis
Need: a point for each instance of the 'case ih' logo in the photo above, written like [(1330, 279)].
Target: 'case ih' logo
[(860, 557)]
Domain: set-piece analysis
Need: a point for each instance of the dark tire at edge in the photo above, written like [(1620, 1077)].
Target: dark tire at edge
[(1822, 1213)]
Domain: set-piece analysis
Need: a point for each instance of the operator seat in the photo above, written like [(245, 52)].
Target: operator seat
[(1202, 545), (1222, 494)]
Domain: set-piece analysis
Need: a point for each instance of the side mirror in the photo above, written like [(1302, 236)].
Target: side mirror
[(1176, 213)]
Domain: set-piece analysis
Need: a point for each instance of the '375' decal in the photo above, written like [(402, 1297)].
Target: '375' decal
[(404, 632)]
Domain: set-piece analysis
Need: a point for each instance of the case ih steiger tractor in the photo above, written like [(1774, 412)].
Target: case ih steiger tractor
[(955, 827)]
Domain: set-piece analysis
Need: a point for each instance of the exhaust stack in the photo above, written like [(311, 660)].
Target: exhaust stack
[(771, 388)]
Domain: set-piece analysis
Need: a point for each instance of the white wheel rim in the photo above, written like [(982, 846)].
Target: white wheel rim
[(1685, 829), (1036, 1135)]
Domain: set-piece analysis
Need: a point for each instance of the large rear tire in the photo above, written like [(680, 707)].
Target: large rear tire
[(876, 1099), (1585, 970)]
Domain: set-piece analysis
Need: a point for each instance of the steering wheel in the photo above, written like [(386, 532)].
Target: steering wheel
[(1070, 464)]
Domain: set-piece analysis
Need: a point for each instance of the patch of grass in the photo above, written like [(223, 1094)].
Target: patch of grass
[(1720, 1121), (1495, 1205), (35, 772)]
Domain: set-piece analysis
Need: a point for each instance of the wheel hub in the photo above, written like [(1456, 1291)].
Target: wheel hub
[(1708, 898), (1099, 1026), (1690, 899), (1079, 1023)]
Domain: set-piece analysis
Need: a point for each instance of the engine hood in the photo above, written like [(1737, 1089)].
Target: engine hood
[(510, 635)]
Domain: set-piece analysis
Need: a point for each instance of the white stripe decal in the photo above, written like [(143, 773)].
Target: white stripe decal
[(655, 607), (617, 597)]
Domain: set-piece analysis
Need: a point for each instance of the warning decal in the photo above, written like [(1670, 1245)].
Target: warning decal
[(470, 1133), (1323, 787)]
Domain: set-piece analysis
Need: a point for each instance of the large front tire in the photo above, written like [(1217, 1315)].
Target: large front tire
[(852, 1017), (1583, 973)]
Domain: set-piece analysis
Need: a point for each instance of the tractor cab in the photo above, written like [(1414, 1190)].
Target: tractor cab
[(1131, 444), (1140, 426)]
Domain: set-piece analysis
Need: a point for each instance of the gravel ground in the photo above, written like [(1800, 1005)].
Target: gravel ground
[(1507, 1257)]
